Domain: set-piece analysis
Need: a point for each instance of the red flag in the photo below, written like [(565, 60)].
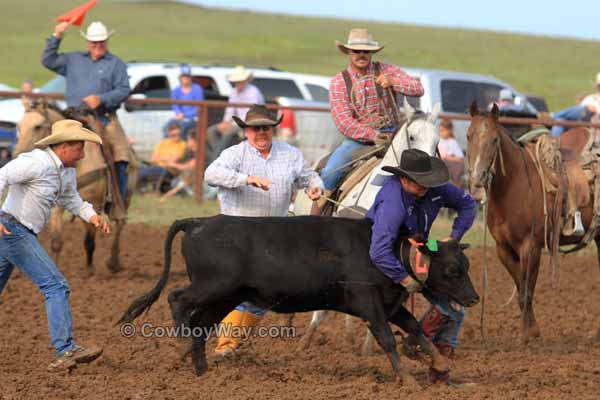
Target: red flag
[(77, 14)]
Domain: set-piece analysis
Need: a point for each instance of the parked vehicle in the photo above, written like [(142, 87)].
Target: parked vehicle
[(455, 91)]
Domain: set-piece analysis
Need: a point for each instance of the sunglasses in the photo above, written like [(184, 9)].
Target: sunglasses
[(264, 128), (361, 51)]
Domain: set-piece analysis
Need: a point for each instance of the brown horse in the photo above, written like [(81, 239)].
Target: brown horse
[(515, 214), (91, 181)]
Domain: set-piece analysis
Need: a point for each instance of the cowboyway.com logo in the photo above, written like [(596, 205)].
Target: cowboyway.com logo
[(149, 330)]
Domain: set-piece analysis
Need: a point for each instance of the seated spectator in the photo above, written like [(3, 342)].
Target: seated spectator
[(226, 133), (451, 152), (506, 101), (168, 151), (27, 86), (185, 115), (583, 111), (186, 170)]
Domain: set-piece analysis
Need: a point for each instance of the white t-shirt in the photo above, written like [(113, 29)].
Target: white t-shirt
[(450, 148)]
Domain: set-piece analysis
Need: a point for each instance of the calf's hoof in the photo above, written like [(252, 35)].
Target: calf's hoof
[(200, 368), (439, 377)]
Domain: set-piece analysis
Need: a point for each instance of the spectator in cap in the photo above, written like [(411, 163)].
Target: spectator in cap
[(185, 115), (226, 133), (27, 86)]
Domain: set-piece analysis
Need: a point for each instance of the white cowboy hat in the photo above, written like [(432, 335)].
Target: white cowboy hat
[(598, 78), (359, 39), (505, 94), (239, 74), (68, 130), (96, 32)]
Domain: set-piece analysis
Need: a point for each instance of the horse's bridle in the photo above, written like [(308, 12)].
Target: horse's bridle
[(490, 171)]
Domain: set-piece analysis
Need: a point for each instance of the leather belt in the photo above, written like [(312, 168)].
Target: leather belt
[(14, 219)]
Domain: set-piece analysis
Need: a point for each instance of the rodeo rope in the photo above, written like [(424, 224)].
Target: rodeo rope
[(370, 117)]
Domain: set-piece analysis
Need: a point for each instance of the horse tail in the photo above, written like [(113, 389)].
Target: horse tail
[(143, 303)]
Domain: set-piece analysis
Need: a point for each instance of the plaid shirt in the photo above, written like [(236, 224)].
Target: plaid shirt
[(366, 102), (284, 167)]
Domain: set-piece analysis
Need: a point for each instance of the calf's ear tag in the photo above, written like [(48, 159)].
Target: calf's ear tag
[(432, 245), (421, 266)]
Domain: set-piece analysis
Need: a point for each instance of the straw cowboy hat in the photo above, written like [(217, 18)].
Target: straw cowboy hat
[(258, 115), (68, 130), (359, 39), (239, 74), (96, 32), (418, 166)]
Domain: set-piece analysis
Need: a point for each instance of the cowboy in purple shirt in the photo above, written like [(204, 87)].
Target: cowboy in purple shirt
[(408, 205)]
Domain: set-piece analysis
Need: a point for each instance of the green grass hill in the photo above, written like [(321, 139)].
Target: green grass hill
[(558, 69)]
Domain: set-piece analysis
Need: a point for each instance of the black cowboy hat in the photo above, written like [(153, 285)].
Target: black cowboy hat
[(258, 115), (418, 166)]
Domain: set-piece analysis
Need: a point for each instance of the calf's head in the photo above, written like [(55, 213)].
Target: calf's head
[(448, 276)]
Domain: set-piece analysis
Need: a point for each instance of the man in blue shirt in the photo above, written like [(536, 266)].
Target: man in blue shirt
[(97, 79), (408, 203), (185, 115)]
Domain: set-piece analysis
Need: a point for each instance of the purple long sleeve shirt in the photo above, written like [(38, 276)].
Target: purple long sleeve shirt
[(396, 210)]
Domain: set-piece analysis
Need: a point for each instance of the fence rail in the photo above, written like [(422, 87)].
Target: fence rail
[(202, 120)]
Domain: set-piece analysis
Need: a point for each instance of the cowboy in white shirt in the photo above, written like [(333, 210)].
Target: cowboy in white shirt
[(257, 178), (37, 181)]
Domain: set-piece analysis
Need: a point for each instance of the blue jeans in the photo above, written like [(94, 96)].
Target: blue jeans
[(449, 332), (251, 308), (22, 248), (185, 125), (331, 175), (122, 178), (575, 113)]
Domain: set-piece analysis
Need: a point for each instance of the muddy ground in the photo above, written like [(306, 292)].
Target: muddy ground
[(563, 364)]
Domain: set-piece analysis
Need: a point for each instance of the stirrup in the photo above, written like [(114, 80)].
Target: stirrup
[(578, 230)]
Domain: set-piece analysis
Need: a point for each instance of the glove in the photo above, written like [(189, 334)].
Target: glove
[(411, 285), (383, 139)]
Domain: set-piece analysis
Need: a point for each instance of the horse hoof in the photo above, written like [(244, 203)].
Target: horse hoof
[(409, 382), (114, 267), (90, 271), (302, 346)]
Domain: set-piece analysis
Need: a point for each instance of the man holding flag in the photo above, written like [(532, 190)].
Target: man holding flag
[(95, 78)]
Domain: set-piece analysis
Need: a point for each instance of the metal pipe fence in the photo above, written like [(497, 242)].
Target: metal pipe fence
[(311, 129)]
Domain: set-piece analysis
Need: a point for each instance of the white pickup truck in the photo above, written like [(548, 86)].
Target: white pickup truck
[(143, 124)]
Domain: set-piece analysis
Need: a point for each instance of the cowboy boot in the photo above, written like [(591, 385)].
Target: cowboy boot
[(227, 343), (235, 320), (431, 323)]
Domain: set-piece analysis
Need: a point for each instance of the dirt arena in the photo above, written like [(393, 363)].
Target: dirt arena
[(564, 364)]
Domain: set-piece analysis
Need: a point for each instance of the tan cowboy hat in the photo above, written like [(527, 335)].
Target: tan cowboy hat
[(420, 167), (258, 115), (239, 74), (96, 32), (359, 39), (68, 130)]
